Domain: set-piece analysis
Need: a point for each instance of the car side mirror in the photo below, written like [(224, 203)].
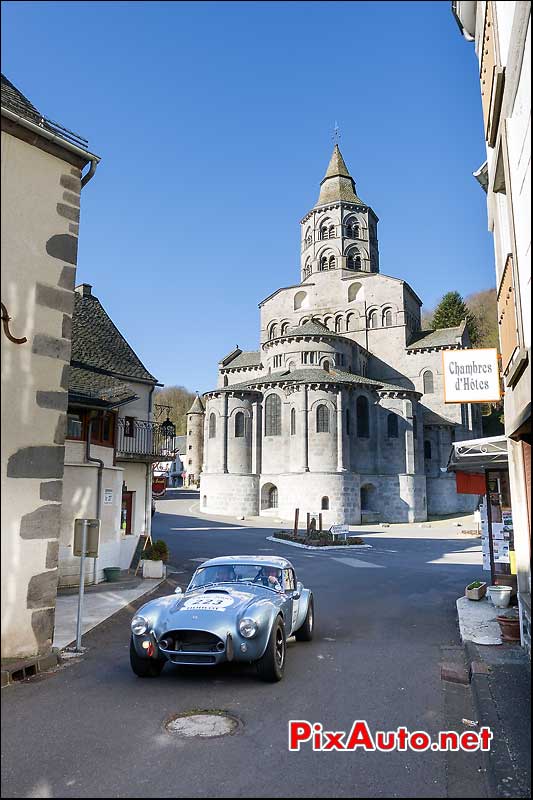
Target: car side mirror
[(178, 590)]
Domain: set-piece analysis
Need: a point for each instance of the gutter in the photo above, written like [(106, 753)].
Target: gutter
[(54, 137)]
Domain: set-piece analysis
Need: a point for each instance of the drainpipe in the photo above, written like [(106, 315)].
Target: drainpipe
[(98, 480), (148, 498)]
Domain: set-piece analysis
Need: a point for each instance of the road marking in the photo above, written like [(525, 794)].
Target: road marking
[(356, 562), (213, 528)]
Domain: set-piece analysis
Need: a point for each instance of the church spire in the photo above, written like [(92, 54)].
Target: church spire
[(337, 183)]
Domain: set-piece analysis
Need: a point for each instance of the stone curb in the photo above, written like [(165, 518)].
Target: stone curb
[(324, 547), (499, 767)]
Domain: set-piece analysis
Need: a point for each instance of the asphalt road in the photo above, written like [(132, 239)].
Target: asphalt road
[(384, 617)]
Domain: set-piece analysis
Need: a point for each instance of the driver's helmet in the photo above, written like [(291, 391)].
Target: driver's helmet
[(225, 572)]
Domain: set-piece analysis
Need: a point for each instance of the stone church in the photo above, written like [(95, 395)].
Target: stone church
[(341, 410)]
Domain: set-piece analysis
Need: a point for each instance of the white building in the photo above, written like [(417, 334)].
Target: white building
[(501, 33), (111, 442), (341, 410)]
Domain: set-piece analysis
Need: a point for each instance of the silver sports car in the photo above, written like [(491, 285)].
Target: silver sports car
[(236, 608)]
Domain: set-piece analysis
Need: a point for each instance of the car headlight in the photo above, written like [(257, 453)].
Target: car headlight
[(139, 625), (247, 628)]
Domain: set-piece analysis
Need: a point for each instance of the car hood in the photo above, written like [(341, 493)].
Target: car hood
[(207, 608)]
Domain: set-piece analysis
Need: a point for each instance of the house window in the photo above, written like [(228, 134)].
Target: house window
[(322, 419), (103, 428), (293, 421), (239, 425), (428, 382), (273, 415), (392, 426), (363, 426), (212, 426), (427, 449), (74, 426)]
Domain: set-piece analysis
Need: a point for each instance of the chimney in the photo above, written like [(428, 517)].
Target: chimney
[(84, 289)]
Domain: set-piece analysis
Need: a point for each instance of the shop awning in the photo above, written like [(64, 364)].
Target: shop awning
[(476, 455)]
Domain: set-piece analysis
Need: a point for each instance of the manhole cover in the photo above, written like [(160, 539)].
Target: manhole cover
[(205, 724)]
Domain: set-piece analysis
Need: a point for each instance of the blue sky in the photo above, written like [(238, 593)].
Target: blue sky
[(214, 125)]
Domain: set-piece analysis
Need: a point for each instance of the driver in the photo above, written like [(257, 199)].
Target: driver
[(224, 573), (272, 578)]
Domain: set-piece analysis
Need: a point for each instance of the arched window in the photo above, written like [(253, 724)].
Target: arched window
[(354, 260), (332, 262), (328, 322), (348, 422), (322, 419), (323, 263), (392, 426), (338, 324), (350, 322), (212, 425), (348, 231), (324, 232), (325, 504), (293, 421), (363, 427), (427, 449), (353, 291), (332, 231), (225, 380), (273, 415), (428, 382), (239, 424), (326, 366), (387, 317), (300, 300), (273, 497), (273, 331), (284, 328), (355, 231), (373, 319)]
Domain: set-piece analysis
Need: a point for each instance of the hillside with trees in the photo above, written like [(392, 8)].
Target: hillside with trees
[(180, 400)]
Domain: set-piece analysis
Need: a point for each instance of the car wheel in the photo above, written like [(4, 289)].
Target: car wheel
[(305, 633), (145, 667), (271, 665)]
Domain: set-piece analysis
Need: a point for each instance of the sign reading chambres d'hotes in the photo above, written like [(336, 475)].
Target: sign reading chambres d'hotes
[(471, 376)]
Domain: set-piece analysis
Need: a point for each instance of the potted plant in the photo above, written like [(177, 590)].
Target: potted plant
[(153, 559), (476, 590)]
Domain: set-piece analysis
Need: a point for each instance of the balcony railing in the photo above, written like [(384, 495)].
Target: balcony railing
[(138, 437)]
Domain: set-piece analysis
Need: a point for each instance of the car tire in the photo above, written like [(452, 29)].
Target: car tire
[(271, 665), (145, 667), (305, 633)]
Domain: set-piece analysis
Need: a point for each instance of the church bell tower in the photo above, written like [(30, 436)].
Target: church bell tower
[(340, 231)]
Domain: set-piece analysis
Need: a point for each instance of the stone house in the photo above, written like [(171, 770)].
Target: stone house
[(42, 179), (341, 410)]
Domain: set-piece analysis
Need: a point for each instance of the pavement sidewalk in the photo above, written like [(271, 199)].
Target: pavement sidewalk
[(99, 603), (500, 675)]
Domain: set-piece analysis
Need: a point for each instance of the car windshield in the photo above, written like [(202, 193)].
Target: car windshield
[(258, 574)]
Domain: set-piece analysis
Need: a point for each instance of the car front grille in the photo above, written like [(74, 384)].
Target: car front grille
[(190, 642)]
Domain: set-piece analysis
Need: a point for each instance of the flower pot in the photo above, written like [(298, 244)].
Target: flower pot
[(500, 595), (477, 592), (510, 627), (112, 574), (153, 569)]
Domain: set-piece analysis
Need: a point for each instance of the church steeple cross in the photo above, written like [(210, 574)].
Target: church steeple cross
[(336, 133)]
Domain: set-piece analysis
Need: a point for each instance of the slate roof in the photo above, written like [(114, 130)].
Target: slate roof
[(197, 407), (87, 386), (252, 358), (97, 343), (14, 100), (337, 183), (313, 375), (311, 328), (432, 418), (442, 337)]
